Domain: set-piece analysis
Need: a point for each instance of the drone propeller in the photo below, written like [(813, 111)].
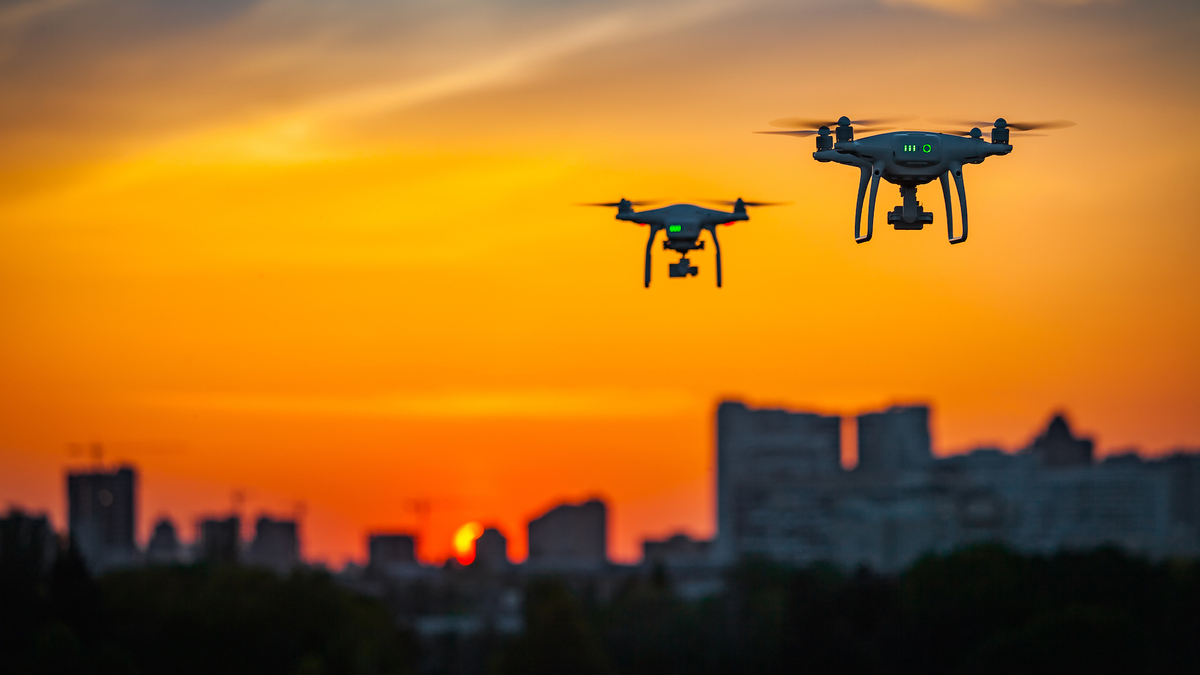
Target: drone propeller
[(814, 124), (960, 132), (801, 133), (1017, 126), (623, 202), (726, 202)]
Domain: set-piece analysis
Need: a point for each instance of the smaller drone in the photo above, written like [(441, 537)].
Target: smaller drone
[(908, 159), (684, 224)]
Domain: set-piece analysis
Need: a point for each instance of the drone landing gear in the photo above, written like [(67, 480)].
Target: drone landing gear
[(683, 268), (910, 216)]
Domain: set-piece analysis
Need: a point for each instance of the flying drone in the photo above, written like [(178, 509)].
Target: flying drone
[(908, 159), (684, 224)]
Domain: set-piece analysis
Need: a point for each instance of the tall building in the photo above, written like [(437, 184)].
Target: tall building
[(276, 544), (102, 511), (164, 548), (896, 439), (778, 495), (762, 455), (220, 540), (570, 537), (388, 550), (491, 549)]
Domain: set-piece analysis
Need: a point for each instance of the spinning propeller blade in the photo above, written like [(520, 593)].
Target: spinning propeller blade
[(960, 132), (726, 202), (813, 132), (1017, 126), (807, 123), (800, 133), (643, 202)]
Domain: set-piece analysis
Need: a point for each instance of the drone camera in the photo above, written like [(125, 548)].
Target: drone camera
[(910, 215), (683, 268), (895, 217)]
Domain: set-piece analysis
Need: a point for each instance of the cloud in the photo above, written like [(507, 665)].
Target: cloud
[(531, 402), (132, 75), (975, 7), (17, 13)]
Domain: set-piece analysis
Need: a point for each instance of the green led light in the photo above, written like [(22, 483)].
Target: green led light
[(674, 228), (926, 148)]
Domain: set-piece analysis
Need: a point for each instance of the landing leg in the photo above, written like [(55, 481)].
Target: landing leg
[(962, 202), (650, 243), (716, 245), (871, 209), (863, 179), (944, 179)]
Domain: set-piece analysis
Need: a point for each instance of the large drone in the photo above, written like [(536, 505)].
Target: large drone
[(908, 159), (684, 224)]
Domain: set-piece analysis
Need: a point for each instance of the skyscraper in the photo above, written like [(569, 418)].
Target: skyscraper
[(101, 510), (762, 456)]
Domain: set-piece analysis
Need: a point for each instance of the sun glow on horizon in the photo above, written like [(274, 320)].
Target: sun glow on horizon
[(464, 542)]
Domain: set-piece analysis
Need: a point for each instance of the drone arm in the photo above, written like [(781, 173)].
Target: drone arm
[(962, 201), (649, 244), (716, 245), (875, 173), (862, 193)]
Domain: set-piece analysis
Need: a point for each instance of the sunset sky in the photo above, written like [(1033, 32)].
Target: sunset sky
[(327, 254)]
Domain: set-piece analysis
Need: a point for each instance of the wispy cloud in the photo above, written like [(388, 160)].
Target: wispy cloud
[(522, 60), (973, 7), (23, 12)]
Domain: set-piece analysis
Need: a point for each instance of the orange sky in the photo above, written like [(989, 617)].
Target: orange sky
[(326, 252)]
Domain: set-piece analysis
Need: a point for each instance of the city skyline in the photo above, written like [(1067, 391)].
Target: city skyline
[(845, 428)]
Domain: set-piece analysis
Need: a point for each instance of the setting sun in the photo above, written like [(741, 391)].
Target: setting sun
[(464, 542)]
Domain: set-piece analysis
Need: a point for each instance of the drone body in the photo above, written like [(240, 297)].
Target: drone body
[(683, 223), (909, 159)]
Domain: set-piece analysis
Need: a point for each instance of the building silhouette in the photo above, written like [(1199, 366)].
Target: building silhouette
[(678, 550), (387, 550), (102, 511), (28, 544), (220, 540), (570, 537), (491, 549), (781, 495), (761, 455), (896, 439), (1058, 448), (164, 547), (276, 544)]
